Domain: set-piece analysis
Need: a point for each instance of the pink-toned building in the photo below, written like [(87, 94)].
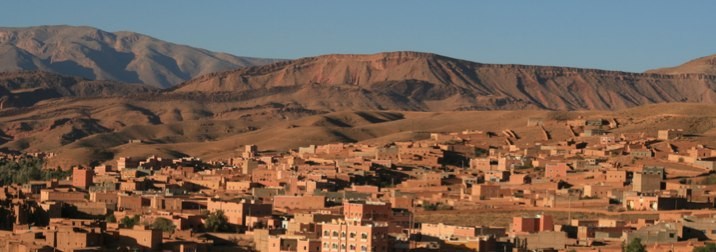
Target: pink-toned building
[(519, 179), (82, 177), (237, 211), (341, 235), (486, 191), (65, 196), (641, 203), (287, 243), (616, 176), (367, 211), (131, 202), (305, 202), (142, 238), (446, 232), (539, 223), (556, 170)]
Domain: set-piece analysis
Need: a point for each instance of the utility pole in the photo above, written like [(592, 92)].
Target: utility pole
[(569, 199), (410, 231)]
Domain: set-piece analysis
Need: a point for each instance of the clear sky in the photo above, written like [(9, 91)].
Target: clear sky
[(626, 35)]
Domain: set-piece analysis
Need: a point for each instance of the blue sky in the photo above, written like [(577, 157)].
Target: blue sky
[(609, 34)]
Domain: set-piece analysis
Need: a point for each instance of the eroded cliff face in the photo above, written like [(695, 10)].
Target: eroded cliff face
[(423, 81)]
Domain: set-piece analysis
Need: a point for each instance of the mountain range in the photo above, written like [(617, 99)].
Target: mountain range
[(83, 93), (119, 56), (430, 82)]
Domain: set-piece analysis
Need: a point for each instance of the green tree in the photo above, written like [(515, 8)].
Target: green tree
[(110, 218), (709, 180), (164, 224), (635, 246), (708, 247), (129, 222), (216, 222), (25, 169)]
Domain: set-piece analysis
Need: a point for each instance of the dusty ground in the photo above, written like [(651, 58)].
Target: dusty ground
[(99, 129)]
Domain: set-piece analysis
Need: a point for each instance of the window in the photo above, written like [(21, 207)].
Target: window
[(343, 234), (325, 245), (335, 233), (326, 233), (364, 236), (363, 248), (335, 246), (352, 235)]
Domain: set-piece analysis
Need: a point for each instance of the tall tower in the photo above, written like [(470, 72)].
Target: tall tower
[(250, 151), (82, 177)]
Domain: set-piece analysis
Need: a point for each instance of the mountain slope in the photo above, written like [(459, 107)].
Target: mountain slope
[(26, 88), (99, 55), (334, 98), (429, 82), (703, 65)]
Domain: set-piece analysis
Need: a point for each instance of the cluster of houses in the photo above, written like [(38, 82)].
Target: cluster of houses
[(359, 197)]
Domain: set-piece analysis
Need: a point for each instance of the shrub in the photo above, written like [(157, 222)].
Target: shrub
[(216, 222)]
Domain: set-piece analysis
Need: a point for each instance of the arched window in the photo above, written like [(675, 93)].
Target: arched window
[(335, 233), (352, 235), (364, 236), (326, 233), (343, 234)]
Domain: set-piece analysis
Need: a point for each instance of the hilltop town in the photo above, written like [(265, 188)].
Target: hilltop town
[(473, 190)]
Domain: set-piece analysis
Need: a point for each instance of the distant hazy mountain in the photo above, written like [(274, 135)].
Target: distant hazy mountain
[(121, 56), (429, 82)]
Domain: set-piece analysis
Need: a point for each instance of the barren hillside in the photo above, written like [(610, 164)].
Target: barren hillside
[(429, 82), (100, 55)]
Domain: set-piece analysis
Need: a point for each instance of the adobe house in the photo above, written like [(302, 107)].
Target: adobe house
[(615, 176), (556, 170), (292, 243), (82, 177), (519, 179), (237, 211), (141, 238), (670, 134), (646, 182), (654, 234), (305, 202), (542, 241), (532, 224), (354, 236)]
